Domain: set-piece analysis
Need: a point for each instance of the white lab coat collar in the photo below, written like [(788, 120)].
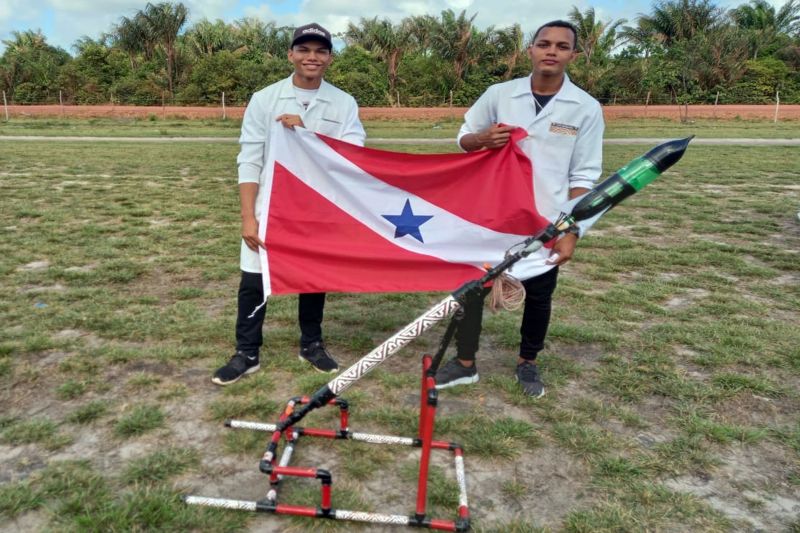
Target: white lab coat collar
[(569, 92), (324, 94)]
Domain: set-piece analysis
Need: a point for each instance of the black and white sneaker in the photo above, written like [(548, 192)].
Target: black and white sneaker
[(528, 377), (239, 365), (316, 354), (454, 373)]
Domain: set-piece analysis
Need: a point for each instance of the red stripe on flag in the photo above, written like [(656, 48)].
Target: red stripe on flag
[(491, 188), (314, 246)]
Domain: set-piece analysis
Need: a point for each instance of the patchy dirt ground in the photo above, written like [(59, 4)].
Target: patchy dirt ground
[(786, 112), (747, 487)]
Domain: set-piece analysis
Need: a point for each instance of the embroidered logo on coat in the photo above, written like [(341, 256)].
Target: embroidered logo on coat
[(563, 129)]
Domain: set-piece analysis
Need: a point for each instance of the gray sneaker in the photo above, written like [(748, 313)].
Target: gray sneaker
[(239, 365), (528, 377), (454, 373)]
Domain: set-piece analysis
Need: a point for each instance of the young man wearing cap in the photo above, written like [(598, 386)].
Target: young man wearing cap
[(565, 144), (303, 99)]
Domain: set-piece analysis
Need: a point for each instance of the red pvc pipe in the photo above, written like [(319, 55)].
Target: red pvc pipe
[(326, 498), (295, 510), (426, 433), (295, 471), (427, 361), (315, 432), (443, 525)]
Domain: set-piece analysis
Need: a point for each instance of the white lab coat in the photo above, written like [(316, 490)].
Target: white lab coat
[(564, 143), (333, 113)]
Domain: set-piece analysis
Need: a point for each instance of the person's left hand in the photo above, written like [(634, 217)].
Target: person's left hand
[(290, 121), (563, 250)]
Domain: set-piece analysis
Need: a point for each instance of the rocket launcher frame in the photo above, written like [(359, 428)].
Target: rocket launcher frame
[(610, 192)]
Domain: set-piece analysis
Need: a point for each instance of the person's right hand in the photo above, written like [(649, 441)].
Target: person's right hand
[(250, 233), (495, 136)]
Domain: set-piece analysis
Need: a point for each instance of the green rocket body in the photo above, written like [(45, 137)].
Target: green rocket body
[(629, 179)]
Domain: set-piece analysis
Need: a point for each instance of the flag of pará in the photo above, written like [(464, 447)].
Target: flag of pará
[(344, 218)]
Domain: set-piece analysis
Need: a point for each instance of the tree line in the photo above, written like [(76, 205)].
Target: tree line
[(681, 51)]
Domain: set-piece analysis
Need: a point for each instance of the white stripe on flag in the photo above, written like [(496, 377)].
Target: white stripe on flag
[(366, 198)]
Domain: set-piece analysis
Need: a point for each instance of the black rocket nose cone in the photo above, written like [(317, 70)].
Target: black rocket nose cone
[(667, 154)]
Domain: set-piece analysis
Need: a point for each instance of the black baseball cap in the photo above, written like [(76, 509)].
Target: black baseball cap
[(311, 32)]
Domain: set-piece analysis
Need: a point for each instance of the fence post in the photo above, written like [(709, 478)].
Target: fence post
[(224, 115), (163, 108), (647, 101), (61, 103), (777, 105), (5, 105), (716, 101)]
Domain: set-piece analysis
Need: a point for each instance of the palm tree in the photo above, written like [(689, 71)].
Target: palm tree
[(29, 59), (387, 41), (25, 41), (257, 39), (680, 20), (206, 37), (507, 46), (133, 36), (165, 21), (422, 29), (85, 43), (457, 40), (596, 39), (764, 24)]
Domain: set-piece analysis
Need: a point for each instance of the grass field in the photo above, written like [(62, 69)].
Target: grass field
[(156, 126), (672, 363)]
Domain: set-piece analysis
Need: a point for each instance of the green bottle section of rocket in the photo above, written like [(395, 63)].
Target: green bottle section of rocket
[(629, 179)]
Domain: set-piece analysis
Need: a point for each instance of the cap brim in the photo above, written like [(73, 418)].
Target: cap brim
[(306, 38)]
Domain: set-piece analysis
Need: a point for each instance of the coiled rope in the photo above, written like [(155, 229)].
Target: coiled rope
[(507, 292)]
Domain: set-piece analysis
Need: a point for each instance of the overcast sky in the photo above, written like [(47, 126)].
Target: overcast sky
[(64, 21)]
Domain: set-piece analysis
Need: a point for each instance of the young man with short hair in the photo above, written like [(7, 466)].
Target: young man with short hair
[(304, 99), (565, 135)]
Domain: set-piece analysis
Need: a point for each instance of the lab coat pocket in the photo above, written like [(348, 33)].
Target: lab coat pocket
[(329, 124), (560, 145)]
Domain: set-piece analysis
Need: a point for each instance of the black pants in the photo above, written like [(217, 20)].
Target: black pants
[(248, 330), (535, 319)]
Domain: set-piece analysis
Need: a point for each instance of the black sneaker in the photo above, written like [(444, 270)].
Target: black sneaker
[(454, 373), (239, 365), (528, 377), (316, 354)]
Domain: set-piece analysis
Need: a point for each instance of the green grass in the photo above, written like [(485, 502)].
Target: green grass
[(88, 412), (387, 129), (160, 465), (703, 128), (140, 419), (35, 431), (673, 346), (71, 389), (121, 127), (77, 498)]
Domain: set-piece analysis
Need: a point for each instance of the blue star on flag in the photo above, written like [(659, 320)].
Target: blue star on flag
[(407, 223)]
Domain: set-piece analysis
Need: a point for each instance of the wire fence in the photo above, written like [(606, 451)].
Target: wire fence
[(223, 107)]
